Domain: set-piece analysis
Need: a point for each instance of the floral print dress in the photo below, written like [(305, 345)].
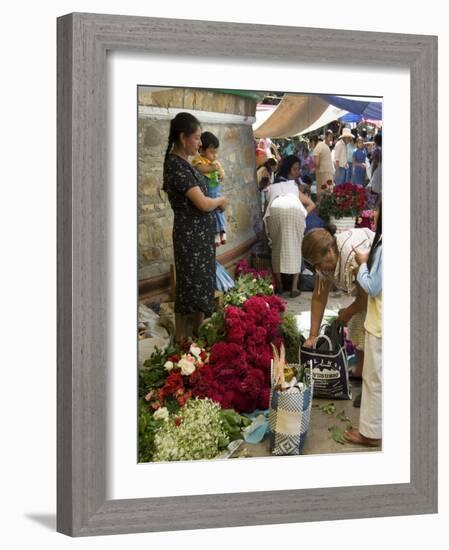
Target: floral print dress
[(193, 239)]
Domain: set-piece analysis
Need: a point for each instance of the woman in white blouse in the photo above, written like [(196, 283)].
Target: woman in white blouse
[(285, 214)]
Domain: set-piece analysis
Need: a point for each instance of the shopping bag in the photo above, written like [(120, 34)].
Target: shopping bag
[(290, 408), (329, 364)]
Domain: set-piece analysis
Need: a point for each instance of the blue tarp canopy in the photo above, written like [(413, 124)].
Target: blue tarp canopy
[(350, 117), (367, 109)]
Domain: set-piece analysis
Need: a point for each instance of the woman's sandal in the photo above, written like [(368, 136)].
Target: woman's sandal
[(294, 293), (354, 436)]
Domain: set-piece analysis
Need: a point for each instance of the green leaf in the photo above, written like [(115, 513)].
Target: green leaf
[(342, 417), (337, 434), (293, 339), (172, 404), (233, 423), (328, 409), (214, 330)]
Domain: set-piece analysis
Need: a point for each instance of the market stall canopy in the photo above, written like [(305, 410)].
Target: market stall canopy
[(366, 108), (300, 114), (330, 114), (294, 114)]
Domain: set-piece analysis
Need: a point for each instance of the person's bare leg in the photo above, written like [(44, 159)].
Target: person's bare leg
[(181, 328), (295, 280), (198, 318)]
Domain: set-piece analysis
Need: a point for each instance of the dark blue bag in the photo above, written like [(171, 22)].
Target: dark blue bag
[(329, 364)]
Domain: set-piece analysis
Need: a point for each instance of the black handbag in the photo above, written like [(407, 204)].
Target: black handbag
[(329, 364)]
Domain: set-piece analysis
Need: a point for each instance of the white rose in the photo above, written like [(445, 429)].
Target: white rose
[(169, 365), (186, 366), (272, 287), (195, 350), (161, 414)]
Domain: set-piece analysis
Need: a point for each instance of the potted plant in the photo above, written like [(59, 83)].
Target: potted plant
[(343, 204)]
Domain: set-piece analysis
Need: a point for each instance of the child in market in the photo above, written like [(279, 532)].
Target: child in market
[(206, 162), (369, 277)]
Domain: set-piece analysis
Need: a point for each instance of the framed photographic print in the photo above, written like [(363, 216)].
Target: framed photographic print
[(121, 81)]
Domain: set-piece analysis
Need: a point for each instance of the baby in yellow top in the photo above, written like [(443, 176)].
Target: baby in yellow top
[(206, 162)]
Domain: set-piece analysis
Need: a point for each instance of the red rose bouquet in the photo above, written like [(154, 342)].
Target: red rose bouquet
[(347, 199), (238, 374)]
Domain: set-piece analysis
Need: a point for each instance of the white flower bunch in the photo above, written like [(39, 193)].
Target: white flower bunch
[(196, 432), (162, 414)]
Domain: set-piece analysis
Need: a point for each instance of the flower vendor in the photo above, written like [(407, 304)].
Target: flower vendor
[(194, 224)]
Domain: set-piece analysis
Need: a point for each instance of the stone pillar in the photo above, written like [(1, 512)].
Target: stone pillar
[(229, 117)]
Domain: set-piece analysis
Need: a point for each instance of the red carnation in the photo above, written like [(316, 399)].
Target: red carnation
[(182, 399), (173, 382), (275, 302), (236, 335)]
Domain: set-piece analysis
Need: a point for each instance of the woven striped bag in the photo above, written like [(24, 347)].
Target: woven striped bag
[(290, 408)]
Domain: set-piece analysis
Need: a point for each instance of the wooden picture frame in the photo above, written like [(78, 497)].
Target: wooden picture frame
[(83, 40)]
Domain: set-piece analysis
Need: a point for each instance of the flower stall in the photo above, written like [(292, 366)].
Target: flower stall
[(195, 399)]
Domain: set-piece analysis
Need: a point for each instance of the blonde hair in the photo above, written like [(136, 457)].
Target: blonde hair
[(317, 243)]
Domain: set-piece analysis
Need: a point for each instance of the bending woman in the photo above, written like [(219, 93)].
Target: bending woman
[(284, 218), (333, 258), (193, 226)]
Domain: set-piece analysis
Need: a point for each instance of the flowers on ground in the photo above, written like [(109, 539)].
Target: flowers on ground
[(161, 414), (196, 432), (247, 285), (165, 377), (190, 397), (238, 374), (243, 268)]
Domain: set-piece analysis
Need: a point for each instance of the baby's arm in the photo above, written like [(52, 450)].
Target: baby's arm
[(205, 168), (219, 168)]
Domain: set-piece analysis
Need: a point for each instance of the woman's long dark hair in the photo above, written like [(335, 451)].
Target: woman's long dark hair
[(377, 238), (286, 166), (183, 123)]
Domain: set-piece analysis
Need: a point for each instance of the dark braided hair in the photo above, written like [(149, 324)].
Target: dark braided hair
[(377, 237), (286, 165), (183, 123)]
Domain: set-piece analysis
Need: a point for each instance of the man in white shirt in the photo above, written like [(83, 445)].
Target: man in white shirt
[(341, 157), (322, 161)]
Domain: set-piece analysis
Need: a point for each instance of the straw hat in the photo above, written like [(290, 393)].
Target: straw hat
[(347, 133)]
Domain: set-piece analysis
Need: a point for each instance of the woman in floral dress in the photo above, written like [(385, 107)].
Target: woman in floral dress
[(193, 226)]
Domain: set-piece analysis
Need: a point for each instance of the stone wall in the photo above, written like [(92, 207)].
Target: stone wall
[(236, 154)]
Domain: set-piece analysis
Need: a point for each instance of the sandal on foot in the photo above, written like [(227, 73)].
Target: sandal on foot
[(294, 293), (354, 436)]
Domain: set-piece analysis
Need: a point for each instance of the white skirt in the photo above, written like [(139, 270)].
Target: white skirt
[(285, 226)]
